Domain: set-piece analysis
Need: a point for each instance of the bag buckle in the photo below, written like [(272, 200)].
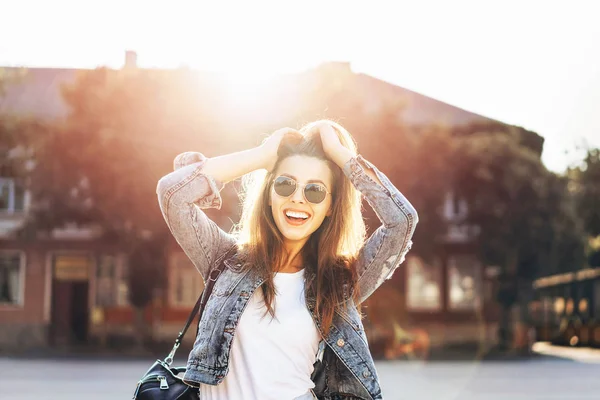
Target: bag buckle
[(137, 389), (169, 359)]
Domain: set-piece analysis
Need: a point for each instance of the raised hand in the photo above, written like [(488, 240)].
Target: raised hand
[(270, 146), (333, 147)]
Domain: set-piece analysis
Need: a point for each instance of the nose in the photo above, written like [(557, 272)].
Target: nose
[(298, 195)]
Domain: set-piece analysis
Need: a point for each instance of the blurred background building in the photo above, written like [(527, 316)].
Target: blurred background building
[(85, 259)]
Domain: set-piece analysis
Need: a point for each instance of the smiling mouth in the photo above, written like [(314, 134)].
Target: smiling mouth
[(296, 218)]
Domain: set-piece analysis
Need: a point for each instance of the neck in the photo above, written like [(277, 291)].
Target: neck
[(292, 256)]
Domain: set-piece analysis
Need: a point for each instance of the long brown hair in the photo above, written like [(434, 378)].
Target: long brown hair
[(331, 250)]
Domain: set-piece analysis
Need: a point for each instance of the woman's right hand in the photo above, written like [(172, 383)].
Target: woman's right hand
[(270, 146)]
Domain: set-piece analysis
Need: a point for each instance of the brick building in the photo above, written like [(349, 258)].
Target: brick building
[(71, 286)]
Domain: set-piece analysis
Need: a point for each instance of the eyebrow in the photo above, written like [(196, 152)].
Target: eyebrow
[(309, 181)]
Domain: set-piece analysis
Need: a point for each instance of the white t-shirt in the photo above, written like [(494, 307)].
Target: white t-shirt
[(271, 358)]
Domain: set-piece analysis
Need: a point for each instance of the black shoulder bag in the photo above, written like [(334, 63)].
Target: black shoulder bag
[(161, 381)]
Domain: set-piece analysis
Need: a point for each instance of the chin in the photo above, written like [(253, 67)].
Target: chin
[(295, 238), (295, 234)]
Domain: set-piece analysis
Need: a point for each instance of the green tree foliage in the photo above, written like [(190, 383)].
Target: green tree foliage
[(586, 186), (9, 76), (415, 159), (101, 165), (20, 138), (525, 215), (521, 136)]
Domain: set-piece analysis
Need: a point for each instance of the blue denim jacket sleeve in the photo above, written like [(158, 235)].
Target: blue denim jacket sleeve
[(386, 248), (182, 195)]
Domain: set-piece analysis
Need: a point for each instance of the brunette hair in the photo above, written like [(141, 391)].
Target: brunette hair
[(331, 250)]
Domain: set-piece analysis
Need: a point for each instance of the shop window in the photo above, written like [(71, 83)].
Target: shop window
[(547, 309), (464, 283), (424, 282), (11, 278), (597, 300), (186, 282), (12, 195), (111, 281)]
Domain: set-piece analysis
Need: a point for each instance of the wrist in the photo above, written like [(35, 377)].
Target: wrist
[(262, 157), (342, 156), (256, 156)]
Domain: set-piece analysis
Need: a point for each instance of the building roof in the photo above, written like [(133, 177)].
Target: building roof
[(421, 109), (38, 93)]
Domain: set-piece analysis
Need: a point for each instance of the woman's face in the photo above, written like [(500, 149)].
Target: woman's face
[(304, 170)]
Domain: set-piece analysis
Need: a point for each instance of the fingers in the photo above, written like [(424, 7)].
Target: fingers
[(284, 131), (323, 126)]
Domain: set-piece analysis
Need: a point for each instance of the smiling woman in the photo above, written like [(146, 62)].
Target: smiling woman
[(298, 265), (295, 216)]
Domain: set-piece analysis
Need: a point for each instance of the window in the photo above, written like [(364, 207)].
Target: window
[(12, 195), (111, 281), (464, 283), (597, 299), (547, 309), (424, 282), (11, 278), (122, 279), (455, 207), (489, 294), (186, 282)]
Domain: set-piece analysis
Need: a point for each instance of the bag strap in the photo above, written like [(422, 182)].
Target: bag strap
[(200, 304)]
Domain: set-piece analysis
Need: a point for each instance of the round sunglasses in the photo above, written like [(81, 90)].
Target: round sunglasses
[(314, 193)]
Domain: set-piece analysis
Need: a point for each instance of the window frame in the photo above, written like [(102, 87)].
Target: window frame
[(478, 282), (117, 277), (12, 194), (596, 299), (174, 261), (438, 266), (20, 304)]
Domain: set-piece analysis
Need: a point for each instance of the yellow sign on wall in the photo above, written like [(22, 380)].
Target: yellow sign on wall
[(72, 268)]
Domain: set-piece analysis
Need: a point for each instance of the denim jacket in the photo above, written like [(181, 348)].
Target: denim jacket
[(344, 368)]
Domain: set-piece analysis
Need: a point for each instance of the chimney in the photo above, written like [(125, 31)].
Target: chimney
[(130, 59)]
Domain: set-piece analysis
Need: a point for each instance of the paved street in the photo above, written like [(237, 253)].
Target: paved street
[(541, 378)]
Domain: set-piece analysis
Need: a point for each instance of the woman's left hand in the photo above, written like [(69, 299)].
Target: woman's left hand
[(331, 144)]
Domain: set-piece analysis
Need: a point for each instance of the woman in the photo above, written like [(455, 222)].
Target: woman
[(301, 241)]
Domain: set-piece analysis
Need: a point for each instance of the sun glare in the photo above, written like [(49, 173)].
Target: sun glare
[(247, 90)]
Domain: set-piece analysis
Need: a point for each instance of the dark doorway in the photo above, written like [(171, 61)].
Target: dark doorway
[(70, 306)]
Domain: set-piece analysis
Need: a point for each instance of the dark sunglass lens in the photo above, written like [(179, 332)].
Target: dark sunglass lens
[(315, 193), (284, 186)]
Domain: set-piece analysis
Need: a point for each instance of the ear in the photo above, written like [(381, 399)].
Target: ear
[(328, 214)]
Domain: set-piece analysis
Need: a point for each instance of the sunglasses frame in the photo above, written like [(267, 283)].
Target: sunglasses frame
[(303, 186)]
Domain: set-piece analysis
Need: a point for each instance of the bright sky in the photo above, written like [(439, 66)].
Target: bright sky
[(530, 63)]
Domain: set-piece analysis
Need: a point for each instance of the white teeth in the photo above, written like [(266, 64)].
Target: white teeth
[(296, 214)]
